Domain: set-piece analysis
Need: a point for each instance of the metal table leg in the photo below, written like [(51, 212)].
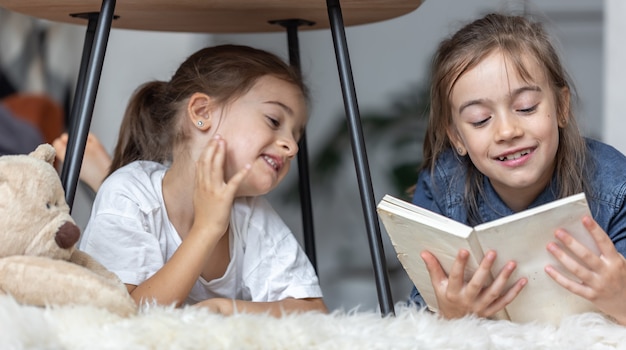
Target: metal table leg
[(360, 156), (304, 182), (85, 96)]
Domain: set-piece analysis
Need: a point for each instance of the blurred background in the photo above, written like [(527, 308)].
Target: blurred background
[(390, 62)]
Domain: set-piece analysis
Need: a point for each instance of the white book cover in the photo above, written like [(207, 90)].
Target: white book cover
[(521, 237)]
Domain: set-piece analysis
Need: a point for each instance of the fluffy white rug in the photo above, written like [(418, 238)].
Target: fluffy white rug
[(27, 327)]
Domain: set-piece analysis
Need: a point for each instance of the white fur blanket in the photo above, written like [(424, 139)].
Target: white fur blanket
[(27, 327)]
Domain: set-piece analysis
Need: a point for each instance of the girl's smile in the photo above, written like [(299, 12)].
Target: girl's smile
[(274, 162), (515, 158)]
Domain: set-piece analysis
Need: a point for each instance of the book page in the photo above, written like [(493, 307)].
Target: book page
[(523, 237), (413, 229)]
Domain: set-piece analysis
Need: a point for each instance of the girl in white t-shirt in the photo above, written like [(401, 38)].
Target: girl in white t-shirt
[(180, 218)]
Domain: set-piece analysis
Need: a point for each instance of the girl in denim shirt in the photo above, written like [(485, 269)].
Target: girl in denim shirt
[(502, 138)]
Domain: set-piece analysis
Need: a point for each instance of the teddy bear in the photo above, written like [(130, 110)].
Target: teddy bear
[(39, 262)]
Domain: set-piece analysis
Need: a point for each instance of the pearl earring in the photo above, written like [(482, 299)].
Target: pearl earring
[(200, 123), (461, 151)]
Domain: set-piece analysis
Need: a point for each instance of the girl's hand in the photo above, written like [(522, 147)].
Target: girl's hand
[(96, 160), (213, 196), (222, 306), (602, 278), (456, 298)]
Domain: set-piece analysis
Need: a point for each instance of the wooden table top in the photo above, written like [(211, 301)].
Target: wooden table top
[(215, 16)]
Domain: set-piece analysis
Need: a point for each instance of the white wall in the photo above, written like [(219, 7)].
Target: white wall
[(615, 73)]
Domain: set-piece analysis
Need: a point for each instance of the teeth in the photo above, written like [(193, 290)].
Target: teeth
[(514, 155), (271, 161)]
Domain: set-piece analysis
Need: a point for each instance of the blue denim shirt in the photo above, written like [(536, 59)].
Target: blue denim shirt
[(443, 193)]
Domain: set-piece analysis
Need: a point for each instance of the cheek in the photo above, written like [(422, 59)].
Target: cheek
[(545, 128), (472, 139), (285, 169)]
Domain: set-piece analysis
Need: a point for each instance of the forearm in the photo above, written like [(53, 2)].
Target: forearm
[(275, 308), (172, 283)]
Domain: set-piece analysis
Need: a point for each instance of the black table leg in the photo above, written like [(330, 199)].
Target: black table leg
[(304, 182), (85, 96), (360, 156)]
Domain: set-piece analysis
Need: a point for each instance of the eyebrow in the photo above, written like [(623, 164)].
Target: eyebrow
[(514, 93), (281, 105)]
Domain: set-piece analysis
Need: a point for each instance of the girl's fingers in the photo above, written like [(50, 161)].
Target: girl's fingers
[(602, 239), (507, 297), (572, 265), (211, 167), (204, 163), (482, 275), (436, 272), (499, 284), (581, 261), (565, 282), (456, 278), (236, 180), (218, 160)]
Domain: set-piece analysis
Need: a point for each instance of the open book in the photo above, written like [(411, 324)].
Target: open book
[(521, 237)]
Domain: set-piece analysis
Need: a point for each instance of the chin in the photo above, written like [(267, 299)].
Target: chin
[(258, 190)]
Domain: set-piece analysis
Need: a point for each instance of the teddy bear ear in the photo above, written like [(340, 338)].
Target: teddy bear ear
[(44, 152)]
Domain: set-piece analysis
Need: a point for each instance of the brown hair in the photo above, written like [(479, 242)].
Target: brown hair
[(150, 128), (516, 37)]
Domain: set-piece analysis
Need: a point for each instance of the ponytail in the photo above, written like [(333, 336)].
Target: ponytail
[(147, 128)]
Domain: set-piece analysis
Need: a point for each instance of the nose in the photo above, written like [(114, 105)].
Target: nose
[(289, 145), (507, 127), (67, 235)]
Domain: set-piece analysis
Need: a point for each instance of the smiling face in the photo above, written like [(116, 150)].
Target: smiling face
[(507, 126), (262, 128)]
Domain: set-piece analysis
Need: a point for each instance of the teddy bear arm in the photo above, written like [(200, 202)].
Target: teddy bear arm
[(87, 261), (42, 281)]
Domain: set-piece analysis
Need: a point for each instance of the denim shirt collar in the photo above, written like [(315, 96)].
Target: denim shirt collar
[(492, 207)]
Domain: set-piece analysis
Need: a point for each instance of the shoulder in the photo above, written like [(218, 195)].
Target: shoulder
[(607, 195), (442, 186), (138, 183), (606, 166), (605, 156), (140, 170)]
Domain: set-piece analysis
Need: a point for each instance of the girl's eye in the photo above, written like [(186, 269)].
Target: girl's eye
[(480, 122), (528, 110), (273, 122)]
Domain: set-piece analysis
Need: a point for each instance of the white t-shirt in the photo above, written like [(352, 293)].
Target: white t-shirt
[(130, 234)]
